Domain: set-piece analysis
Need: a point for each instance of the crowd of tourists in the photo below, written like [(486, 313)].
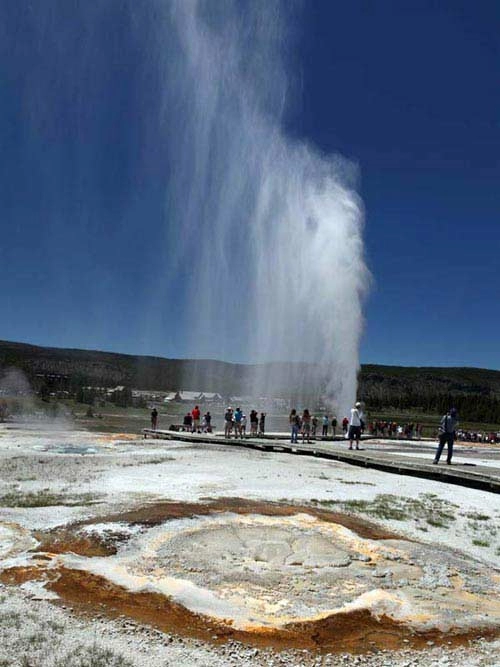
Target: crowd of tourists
[(194, 422), (307, 425), (478, 436), (235, 422), (391, 429)]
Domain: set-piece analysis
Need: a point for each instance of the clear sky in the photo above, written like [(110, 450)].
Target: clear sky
[(407, 90)]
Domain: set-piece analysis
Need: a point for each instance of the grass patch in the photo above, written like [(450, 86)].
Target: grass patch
[(437, 523), (427, 507), (148, 462), (45, 498), (11, 620), (92, 656), (480, 543), (477, 516)]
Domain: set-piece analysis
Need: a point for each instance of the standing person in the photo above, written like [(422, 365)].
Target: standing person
[(294, 425), (324, 432), (355, 425), (306, 425), (254, 422), (447, 428), (228, 422), (262, 423), (195, 414), (188, 421), (208, 422), (243, 426), (238, 416), (314, 426), (154, 419), (334, 425), (345, 425)]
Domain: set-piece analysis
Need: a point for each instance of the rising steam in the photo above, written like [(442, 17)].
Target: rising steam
[(270, 230), (263, 256)]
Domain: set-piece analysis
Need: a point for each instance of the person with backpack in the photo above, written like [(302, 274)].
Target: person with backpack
[(447, 428), (334, 425), (325, 426)]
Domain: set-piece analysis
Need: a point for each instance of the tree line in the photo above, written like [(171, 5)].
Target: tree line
[(471, 407)]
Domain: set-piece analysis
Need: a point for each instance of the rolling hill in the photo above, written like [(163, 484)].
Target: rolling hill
[(474, 391)]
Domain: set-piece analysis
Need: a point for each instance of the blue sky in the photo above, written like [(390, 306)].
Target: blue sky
[(407, 90)]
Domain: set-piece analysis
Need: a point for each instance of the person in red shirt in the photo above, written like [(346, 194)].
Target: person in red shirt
[(195, 414)]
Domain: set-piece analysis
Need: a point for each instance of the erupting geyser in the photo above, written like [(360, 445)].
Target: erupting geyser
[(258, 253), (270, 229)]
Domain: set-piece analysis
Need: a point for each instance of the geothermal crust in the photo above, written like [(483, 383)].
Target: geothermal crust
[(256, 550), (251, 571)]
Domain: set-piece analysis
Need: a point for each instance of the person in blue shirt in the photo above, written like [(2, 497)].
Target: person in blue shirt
[(238, 416)]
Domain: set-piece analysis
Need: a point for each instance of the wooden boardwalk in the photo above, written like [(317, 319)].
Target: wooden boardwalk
[(372, 454)]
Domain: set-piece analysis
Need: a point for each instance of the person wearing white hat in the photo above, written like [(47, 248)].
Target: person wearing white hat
[(355, 425)]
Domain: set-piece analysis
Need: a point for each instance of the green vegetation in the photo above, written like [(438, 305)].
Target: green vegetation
[(92, 656), (147, 462), (480, 543), (427, 507), (45, 498), (395, 390), (477, 516)]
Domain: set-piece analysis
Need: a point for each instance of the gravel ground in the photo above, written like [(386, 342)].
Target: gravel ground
[(39, 634)]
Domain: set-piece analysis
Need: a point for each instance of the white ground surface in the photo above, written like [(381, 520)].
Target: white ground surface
[(121, 473)]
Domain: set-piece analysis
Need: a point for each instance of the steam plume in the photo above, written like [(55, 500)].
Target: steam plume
[(270, 229)]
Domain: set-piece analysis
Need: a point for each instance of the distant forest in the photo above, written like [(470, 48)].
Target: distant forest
[(474, 392)]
